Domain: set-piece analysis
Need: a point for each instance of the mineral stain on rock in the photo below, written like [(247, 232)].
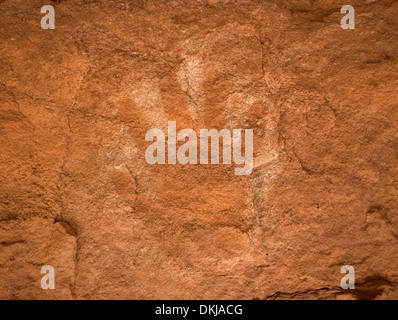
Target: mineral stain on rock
[(75, 189)]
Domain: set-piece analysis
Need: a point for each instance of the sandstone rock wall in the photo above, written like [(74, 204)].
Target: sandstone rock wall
[(75, 189)]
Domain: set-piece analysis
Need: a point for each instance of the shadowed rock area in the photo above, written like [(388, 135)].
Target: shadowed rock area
[(76, 192)]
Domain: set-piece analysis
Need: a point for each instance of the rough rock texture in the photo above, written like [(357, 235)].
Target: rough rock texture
[(75, 189)]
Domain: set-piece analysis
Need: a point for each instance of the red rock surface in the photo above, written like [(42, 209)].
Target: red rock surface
[(75, 189)]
